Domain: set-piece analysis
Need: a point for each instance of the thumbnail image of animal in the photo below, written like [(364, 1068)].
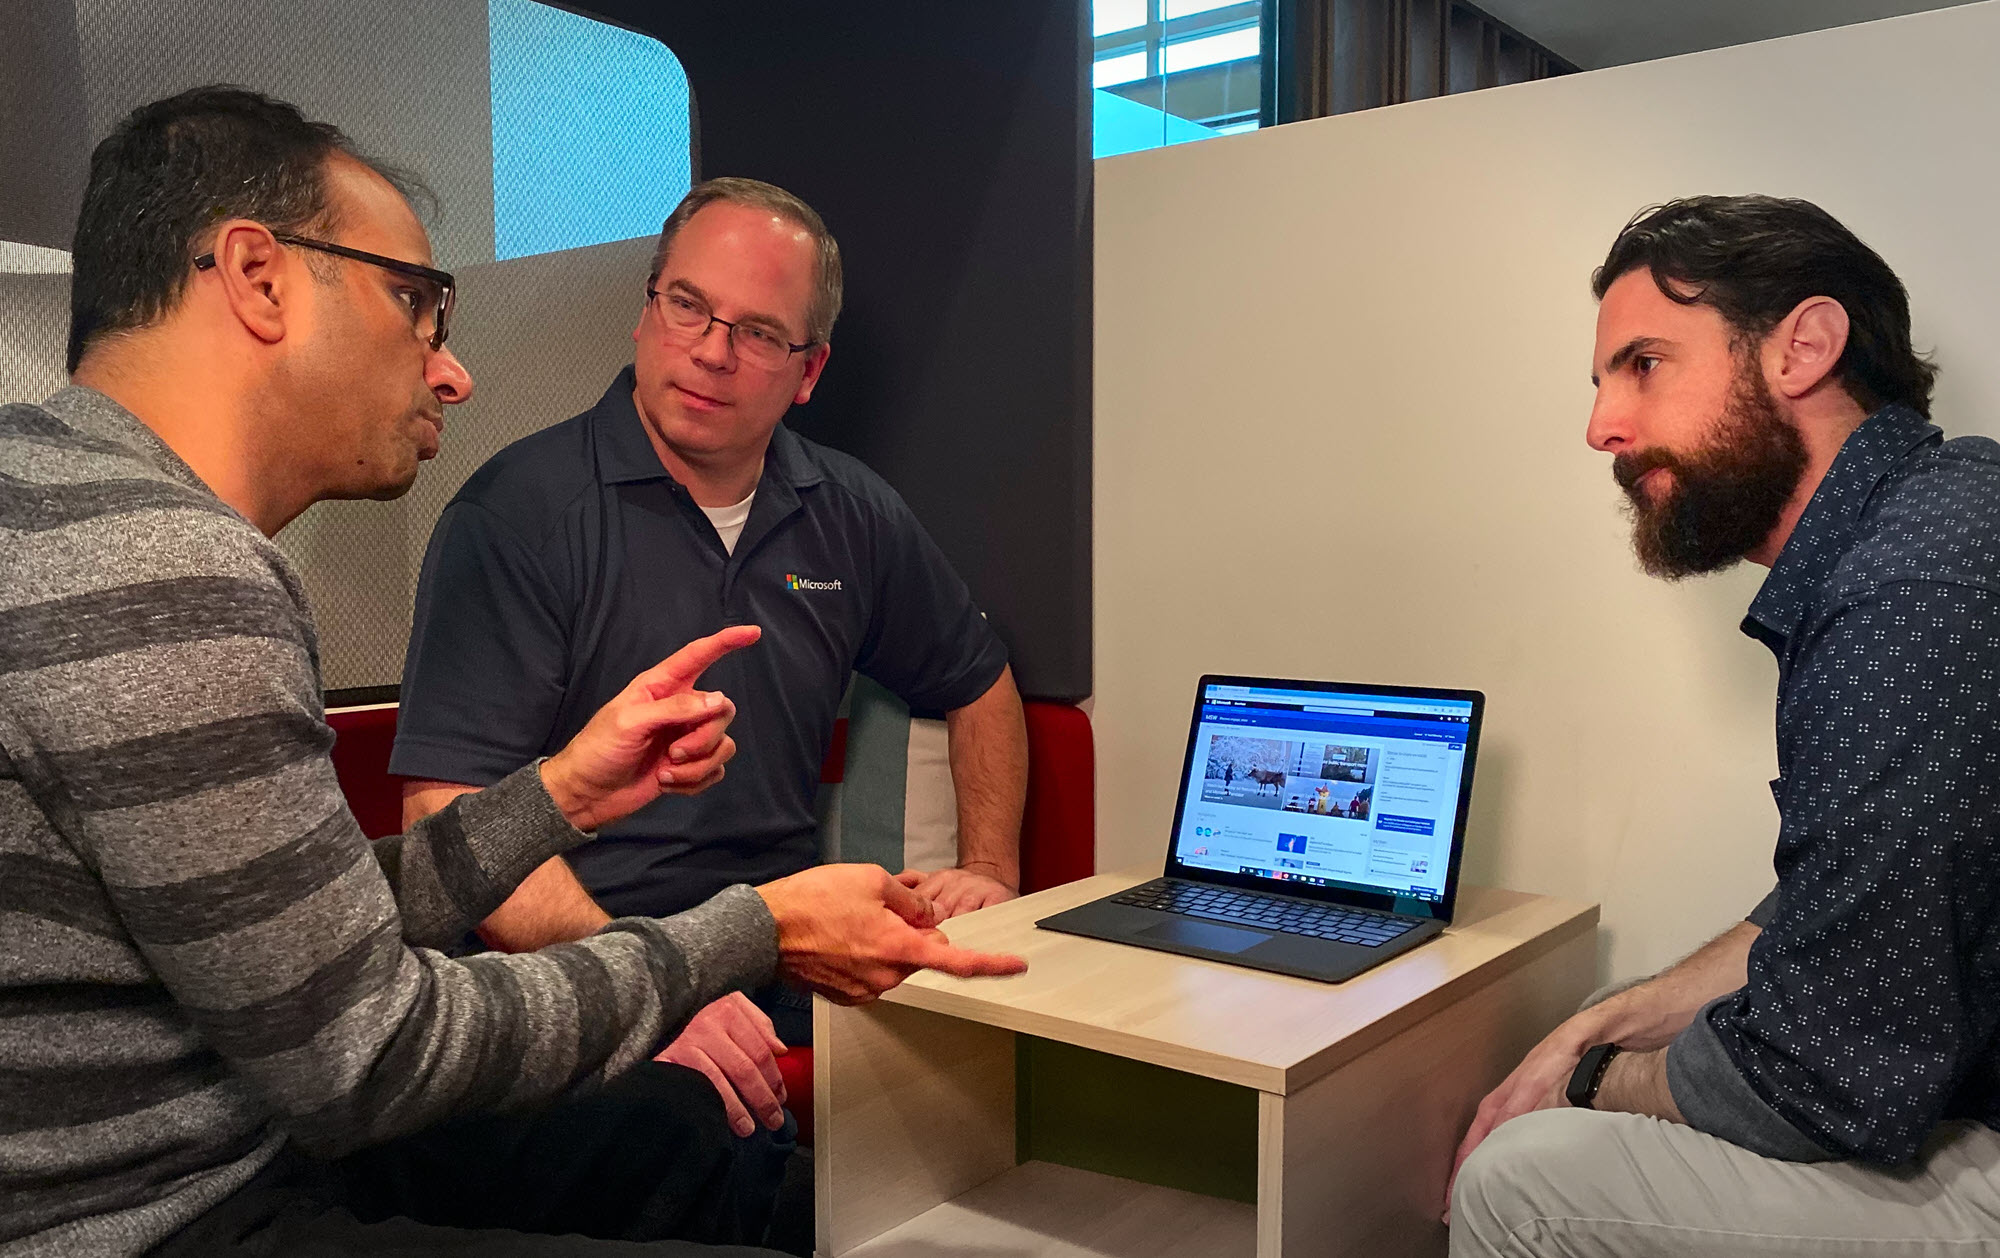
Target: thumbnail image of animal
[(1273, 778)]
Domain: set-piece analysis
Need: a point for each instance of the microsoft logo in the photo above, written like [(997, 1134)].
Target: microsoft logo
[(794, 581)]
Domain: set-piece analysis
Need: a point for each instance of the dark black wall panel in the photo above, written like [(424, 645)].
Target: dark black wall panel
[(947, 145)]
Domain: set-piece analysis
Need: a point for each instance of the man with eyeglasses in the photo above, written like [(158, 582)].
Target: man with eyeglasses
[(677, 505), (225, 1023)]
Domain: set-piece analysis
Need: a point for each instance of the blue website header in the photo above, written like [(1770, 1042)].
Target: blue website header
[(1330, 699), (1428, 728)]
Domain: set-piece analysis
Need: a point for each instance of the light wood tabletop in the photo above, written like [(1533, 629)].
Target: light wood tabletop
[(1270, 1032)]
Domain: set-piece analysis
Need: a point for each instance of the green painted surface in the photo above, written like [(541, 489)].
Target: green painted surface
[(1097, 1112)]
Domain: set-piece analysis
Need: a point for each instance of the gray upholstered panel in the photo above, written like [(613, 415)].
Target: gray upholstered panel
[(543, 337), (355, 561), (34, 321), (408, 81)]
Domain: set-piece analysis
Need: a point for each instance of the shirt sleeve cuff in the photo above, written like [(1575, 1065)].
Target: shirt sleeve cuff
[(446, 761), (973, 684), (730, 942), (514, 826), (1767, 908), (1714, 1097)]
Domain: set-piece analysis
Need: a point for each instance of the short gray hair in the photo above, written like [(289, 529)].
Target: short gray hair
[(757, 194)]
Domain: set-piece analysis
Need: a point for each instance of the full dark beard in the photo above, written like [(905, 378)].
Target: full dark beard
[(1726, 497)]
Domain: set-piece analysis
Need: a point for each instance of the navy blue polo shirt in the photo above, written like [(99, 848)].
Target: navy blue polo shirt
[(572, 561)]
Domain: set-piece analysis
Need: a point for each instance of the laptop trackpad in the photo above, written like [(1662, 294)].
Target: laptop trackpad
[(1204, 935)]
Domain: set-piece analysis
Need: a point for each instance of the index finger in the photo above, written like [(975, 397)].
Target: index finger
[(678, 671), (964, 963)]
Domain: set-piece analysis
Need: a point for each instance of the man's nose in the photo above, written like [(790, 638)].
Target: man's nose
[(448, 378), (716, 350), (1610, 429)]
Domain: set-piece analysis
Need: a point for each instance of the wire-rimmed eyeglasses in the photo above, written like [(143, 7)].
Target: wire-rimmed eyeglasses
[(756, 345)]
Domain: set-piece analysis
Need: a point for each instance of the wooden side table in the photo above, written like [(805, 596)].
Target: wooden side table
[(1119, 1101)]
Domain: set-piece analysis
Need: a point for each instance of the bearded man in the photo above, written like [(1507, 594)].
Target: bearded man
[(1820, 1077)]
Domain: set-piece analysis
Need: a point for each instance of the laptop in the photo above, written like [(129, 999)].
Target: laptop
[(1318, 831)]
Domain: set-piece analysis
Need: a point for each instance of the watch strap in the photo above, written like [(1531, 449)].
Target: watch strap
[(1589, 1075)]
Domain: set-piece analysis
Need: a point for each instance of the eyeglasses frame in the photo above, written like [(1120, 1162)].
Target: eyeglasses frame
[(653, 295), (447, 286)]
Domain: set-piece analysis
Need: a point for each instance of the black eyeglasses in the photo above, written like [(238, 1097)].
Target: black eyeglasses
[(689, 320), (433, 303)]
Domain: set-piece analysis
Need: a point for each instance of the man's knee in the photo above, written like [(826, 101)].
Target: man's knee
[(1526, 1170), (678, 1168), (665, 1113)]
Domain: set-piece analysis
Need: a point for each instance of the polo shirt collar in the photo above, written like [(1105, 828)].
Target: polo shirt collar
[(787, 462), (625, 453), (1826, 530)]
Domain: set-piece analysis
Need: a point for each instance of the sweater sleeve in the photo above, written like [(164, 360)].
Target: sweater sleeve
[(452, 868)]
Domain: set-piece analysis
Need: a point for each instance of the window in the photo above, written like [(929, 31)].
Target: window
[(1170, 71), (1108, 17), (1209, 50), (1119, 68), (591, 130)]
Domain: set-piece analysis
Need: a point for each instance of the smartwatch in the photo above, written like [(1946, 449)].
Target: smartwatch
[(1589, 1075)]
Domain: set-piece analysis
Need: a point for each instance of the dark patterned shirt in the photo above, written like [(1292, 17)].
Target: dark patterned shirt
[(1874, 988)]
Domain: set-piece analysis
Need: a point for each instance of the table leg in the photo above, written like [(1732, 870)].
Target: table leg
[(1355, 1163), (910, 1109)]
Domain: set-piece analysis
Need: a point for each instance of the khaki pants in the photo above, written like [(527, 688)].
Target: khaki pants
[(1569, 1183)]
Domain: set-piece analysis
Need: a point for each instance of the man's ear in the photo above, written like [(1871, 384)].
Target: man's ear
[(1806, 346), (815, 363), (645, 308), (260, 281)]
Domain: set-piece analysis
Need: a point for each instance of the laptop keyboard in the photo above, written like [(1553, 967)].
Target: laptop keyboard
[(1247, 908)]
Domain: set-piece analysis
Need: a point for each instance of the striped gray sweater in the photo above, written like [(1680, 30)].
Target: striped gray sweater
[(200, 955)]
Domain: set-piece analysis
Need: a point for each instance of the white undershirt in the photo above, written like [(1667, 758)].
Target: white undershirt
[(729, 521)]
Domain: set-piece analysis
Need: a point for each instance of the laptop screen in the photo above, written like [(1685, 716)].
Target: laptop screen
[(1340, 792)]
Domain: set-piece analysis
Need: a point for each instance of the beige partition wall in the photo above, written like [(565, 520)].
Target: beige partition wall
[(1342, 376)]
